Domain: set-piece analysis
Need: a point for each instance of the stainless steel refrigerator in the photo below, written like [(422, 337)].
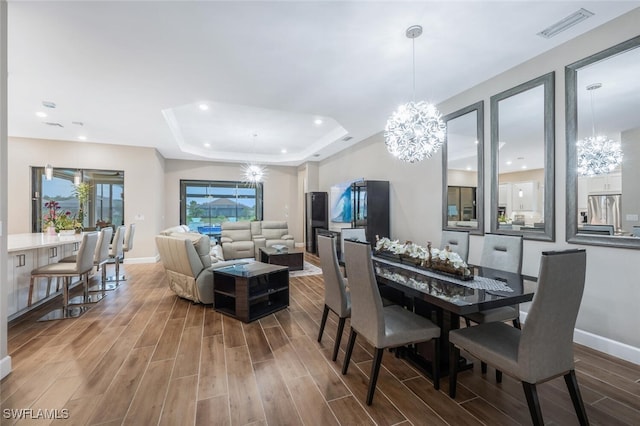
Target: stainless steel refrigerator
[(605, 210)]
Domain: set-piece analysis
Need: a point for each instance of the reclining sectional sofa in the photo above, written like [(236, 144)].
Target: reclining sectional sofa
[(190, 258), (244, 239)]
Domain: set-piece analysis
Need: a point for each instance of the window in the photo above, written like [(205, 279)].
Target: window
[(105, 196), (204, 205)]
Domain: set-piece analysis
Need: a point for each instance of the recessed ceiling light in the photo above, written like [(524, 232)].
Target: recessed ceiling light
[(509, 162), (317, 121), (203, 107), (207, 145), (41, 114), (524, 166), (283, 150), (468, 167), (565, 23), (82, 138), (476, 142)]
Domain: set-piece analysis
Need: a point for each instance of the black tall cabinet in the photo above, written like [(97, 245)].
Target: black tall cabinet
[(370, 208), (316, 217)]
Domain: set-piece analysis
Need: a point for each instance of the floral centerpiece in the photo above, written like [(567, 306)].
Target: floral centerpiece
[(57, 219), (443, 260)]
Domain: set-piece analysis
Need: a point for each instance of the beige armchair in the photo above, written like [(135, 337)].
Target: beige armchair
[(268, 233), (236, 240), (188, 266)]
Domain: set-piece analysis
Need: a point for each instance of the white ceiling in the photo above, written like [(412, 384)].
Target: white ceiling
[(134, 73)]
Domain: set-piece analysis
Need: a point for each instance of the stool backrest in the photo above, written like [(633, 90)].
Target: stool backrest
[(128, 237), (84, 259), (117, 245), (102, 248)]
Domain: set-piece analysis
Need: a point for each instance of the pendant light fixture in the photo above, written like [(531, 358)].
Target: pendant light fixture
[(48, 172), (415, 131), (597, 154), (77, 177), (253, 173)]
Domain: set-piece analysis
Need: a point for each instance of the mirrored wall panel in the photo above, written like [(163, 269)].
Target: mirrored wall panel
[(603, 147), (462, 170), (522, 154)]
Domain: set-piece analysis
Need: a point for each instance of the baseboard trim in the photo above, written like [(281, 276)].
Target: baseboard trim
[(155, 259), (5, 367), (602, 344)]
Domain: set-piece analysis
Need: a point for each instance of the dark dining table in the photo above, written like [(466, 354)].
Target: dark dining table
[(444, 299)]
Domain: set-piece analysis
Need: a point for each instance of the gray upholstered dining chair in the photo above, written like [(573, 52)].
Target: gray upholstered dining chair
[(81, 267), (543, 349), (336, 297), (355, 234), (457, 241), (502, 252), (383, 327)]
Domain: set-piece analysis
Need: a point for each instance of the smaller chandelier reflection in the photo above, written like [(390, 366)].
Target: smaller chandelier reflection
[(415, 131), (597, 155)]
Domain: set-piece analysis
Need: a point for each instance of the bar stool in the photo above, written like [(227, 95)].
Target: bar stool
[(81, 267), (116, 255), (100, 259)]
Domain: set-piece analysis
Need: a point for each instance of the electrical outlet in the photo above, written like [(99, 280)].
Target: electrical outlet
[(632, 218), (139, 217)]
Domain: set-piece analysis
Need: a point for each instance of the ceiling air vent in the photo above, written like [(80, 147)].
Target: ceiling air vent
[(565, 23), (49, 123), (48, 104), (347, 138)]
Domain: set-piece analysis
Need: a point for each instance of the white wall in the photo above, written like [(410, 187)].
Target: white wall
[(143, 182), (5, 359), (608, 316), (281, 192)]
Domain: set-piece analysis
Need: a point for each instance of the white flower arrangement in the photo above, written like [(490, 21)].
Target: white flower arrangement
[(443, 258)]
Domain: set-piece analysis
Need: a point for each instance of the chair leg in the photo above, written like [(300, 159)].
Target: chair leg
[(483, 367), (375, 369), (516, 323), (572, 385), (531, 393), (347, 355), (436, 364), (454, 355), (30, 298), (336, 346), (48, 286), (467, 322), (65, 294), (325, 314), (498, 376)]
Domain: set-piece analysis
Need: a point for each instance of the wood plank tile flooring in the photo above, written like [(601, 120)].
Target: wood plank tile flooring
[(143, 356)]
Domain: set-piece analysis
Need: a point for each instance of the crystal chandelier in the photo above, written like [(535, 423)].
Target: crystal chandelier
[(597, 155), (415, 131), (253, 173)]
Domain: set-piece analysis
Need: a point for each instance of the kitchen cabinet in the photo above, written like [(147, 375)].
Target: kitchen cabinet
[(524, 196), (605, 184)]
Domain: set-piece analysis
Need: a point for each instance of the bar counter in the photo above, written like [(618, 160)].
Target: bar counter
[(27, 252)]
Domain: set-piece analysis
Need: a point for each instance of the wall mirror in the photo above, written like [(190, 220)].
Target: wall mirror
[(522, 160), (603, 191), (462, 170)]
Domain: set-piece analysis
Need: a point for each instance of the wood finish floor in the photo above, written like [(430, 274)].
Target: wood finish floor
[(142, 356)]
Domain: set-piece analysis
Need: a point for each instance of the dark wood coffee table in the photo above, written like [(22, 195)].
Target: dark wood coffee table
[(251, 290), (293, 257)]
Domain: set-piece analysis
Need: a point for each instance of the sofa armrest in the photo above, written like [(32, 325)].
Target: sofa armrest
[(259, 242), (287, 237), (225, 240)]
